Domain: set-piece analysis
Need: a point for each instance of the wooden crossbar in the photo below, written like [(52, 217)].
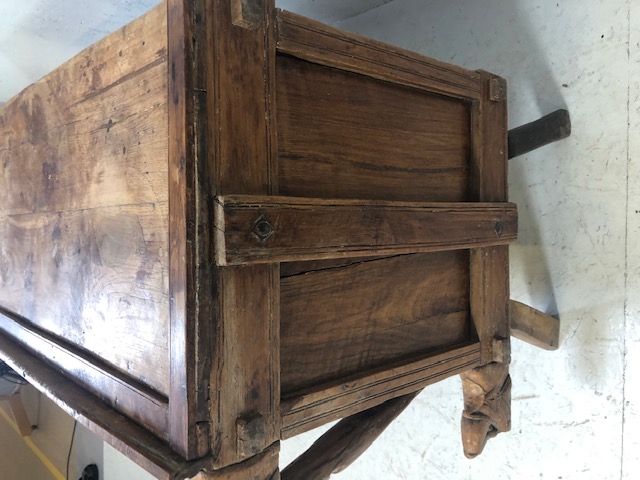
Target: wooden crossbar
[(263, 229)]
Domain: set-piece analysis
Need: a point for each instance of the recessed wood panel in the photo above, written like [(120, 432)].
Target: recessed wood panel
[(345, 135), (340, 321)]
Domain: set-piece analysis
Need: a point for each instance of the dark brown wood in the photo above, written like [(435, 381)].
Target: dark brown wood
[(391, 308), (343, 135), (245, 375), (490, 266), (316, 406), (189, 229), (345, 442), (533, 326), (548, 129), (312, 41), (257, 229), (152, 185)]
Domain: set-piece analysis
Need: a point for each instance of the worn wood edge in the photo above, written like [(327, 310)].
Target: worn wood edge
[(121, 31), (303, 411), (263, 466), (219, 244), (126, 436), (418, 71), (489, 176), (280, 201), (189, 263), (246, 13), (81, 364), (551, 128), (496, 215), (341, 445), (533, 326)]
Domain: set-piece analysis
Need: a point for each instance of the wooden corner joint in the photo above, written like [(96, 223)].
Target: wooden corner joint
[(250, 434), (501, 350), (247, 13), (497, 89)]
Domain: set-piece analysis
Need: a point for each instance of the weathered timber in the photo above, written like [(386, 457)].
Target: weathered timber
[(304, 410), (263, 466), (345, 442), (533, 326), (245, 379), (253, 229), (391, 308), (189, 231), (127, 436), (531, 136), (489, 292), (226, 224), (324, 45), (83, 209)]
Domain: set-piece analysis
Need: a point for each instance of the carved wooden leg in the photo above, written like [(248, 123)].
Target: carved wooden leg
[(487, 405)]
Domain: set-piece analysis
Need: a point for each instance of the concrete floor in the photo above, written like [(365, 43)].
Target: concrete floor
[(575, 411)]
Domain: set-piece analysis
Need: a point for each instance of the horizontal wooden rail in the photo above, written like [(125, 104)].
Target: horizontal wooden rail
[(262, 229), (303, 411)]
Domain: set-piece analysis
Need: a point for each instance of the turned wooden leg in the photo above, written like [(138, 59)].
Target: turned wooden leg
[(487, 405)]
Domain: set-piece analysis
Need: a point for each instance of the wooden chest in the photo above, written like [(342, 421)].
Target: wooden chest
[(224, 225)]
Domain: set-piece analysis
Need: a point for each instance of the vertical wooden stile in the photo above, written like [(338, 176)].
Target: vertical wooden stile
[(189, 235), (245, 386), (489, 266)]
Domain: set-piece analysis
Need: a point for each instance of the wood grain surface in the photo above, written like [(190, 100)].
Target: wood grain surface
[(344, 135), (255, 229), (318, 43), (338, 322), (321, 404), (245, 380), (83, 201)]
